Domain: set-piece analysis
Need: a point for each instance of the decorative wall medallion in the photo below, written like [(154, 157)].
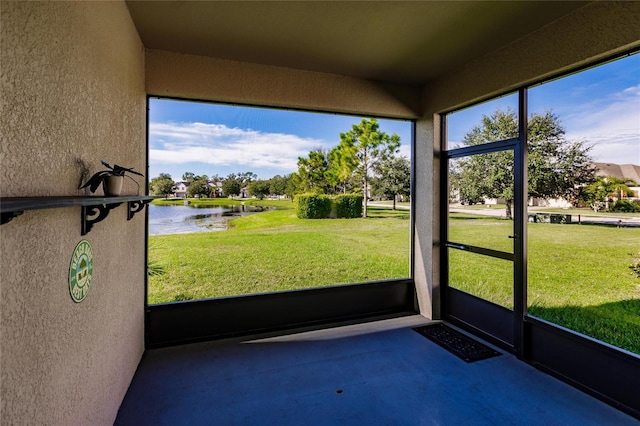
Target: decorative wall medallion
[(80, 271)]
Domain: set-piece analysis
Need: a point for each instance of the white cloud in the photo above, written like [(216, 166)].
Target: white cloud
[(405, 150), (610, 125), (217, 144)]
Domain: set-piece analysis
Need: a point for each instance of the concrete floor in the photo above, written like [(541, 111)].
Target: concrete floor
[(380, 373)]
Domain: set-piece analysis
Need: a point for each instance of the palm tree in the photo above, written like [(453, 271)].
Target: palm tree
[(604, 188)]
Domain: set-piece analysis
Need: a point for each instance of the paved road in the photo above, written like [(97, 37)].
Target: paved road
[(575, 218)]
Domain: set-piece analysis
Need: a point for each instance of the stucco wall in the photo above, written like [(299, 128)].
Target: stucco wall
[(72, 89), (592, 33), (197, 77)]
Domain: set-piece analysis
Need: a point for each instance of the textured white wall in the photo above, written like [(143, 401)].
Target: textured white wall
[(72, 89)]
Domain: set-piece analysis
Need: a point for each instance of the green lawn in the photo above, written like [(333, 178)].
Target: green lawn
[(579, 275), (274, 251)]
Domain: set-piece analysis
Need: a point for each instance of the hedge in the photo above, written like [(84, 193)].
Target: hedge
[(348, 206), (313, 206), (626, 206)]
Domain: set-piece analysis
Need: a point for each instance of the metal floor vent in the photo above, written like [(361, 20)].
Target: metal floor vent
[(461, 345)]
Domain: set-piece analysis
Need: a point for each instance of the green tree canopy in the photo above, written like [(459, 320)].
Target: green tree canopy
[(312, 172), (393, 178), (278, 185), (162, 184), (199, 187), (362, 148), (231, 186), (340, 169), (293, 184), (599, 193), (259, 188), (244, 178), (556, 167)]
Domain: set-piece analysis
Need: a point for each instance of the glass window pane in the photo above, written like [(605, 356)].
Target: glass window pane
[(229, 226), (482, 276), (481, 200), (584, 209), (491, 121)]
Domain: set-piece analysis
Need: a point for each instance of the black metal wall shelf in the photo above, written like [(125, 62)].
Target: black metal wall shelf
[(93, 209)]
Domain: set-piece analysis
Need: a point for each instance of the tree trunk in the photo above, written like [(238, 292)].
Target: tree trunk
[(394, 201), (508, 209), (364, 213)]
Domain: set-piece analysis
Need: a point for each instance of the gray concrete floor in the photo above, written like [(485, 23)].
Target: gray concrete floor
[(380, 373)]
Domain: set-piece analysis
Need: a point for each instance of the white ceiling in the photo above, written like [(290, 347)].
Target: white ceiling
[(391, 41)]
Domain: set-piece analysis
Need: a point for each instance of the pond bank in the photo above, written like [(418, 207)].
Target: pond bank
[(181, 219)]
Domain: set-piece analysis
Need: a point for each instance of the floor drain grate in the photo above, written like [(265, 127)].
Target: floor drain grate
[(461, 345)]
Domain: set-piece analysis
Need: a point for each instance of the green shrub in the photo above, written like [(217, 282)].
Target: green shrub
[(313, 206), (348, 206), (625, 207)]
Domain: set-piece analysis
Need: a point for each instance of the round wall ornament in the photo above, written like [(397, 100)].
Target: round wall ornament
[(80, 271)]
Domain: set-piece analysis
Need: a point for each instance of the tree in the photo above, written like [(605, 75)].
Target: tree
[(162, 184), (231, 186), (293, 185), (199, 187), (600, 193), (393, 178), (258, 188), (362, 148), (556, 167), (278, 185), (245, 178), (339, 173), (312, 172), (188, 176)]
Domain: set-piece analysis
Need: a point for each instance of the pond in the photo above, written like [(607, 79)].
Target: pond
[(185, 219)]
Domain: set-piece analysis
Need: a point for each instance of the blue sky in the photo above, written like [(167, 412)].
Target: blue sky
[(207, 138), (600, 106)]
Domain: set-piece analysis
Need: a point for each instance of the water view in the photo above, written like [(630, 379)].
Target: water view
[(165, 220)]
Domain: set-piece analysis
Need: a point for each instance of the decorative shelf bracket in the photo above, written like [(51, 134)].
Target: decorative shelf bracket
[(94, 209), (102, 211), (7, 217), (135, 207)]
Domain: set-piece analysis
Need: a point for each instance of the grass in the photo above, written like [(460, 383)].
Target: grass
[(275, 251), (579, 275)]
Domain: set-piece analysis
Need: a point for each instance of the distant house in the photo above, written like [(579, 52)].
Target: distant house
[(620, 171), (244, 193), (180, 189), (216, 189)]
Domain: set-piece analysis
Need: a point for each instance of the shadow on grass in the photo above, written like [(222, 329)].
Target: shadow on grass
[(468, 216), (373, 213), (616, 323)]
